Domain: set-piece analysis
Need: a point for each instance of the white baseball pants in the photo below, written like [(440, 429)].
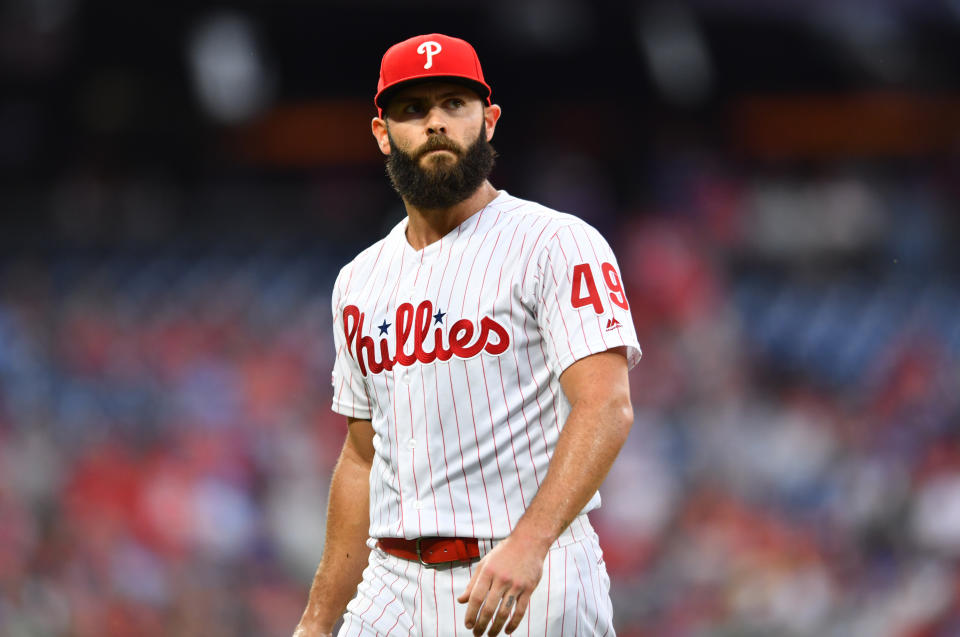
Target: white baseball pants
[(400, 597)]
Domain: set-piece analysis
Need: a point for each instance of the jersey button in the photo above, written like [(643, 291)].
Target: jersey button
[(417, 504), (412, 444)]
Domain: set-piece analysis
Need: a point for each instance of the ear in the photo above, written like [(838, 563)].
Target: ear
[(379, 128), (490, 116)]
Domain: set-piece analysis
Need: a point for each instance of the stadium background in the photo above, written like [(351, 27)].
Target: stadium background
[(179, 185)]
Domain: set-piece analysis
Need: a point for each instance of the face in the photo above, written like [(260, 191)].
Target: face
[(436, 138)]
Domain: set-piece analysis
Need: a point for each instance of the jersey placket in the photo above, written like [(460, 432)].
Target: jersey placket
[(409, 388)]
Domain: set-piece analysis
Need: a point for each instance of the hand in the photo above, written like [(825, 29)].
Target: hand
[(503, 582)]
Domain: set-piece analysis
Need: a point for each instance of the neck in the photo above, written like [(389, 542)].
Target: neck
[(426, 226)]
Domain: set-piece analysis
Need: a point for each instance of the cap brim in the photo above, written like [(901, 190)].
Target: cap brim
[(384, 96)]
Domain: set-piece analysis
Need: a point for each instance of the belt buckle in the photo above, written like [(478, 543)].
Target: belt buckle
[(420, 554)]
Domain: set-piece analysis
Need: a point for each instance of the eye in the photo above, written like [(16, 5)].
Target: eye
[(412, 107), (456, 102)]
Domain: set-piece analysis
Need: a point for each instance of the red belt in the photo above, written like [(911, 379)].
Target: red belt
[(431, 550)]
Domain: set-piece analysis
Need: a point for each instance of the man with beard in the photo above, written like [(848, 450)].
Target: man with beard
[(482, 355)]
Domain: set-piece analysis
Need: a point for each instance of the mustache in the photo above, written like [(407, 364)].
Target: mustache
[(438, 142)]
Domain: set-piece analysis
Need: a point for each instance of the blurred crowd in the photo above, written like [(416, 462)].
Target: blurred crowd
[(166, 440), (181, 182)]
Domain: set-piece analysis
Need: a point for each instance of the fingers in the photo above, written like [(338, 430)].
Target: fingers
[(499, 590), (507, 603), (518, 613), (491, 603), (477, 593)]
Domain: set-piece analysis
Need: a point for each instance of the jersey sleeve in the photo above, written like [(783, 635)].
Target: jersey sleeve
[(350, 397), (581, 302)]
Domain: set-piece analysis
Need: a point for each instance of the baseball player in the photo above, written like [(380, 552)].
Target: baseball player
[(482, 355)]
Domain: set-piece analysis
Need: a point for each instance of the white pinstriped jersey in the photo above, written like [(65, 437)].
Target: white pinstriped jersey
[(454, 353)]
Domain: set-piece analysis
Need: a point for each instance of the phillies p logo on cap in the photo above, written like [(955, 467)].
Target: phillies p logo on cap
[(430, 48), (426, 57)]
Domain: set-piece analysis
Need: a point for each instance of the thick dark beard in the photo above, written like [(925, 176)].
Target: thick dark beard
[(443, 185)]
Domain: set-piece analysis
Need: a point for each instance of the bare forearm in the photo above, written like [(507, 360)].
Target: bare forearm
[(345, 552), (589, 443), (591, 438)]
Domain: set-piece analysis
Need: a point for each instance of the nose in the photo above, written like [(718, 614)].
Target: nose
[(436, 122)]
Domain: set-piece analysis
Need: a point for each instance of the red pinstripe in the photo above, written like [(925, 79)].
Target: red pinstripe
[(563, 615), (382, 611), (367, 609), (420, 596), (576, 628), (496, 452), (479, 461), (593, 587), (373, 267), (543, 432), (426, 437), (377, 483), (596, 559), (395, 461), (460, 446), (460, 262), (436, 605), (400, 596), (503, 389), (353, 408), (583, 588), (443, 274), (546, 617), (462, 470), (553, 395), (535, 250), (551, 327), (470, 270), (346, 287), (416, 278), (485, 270), (413, 436), (413, 461), (506, 256), (556, 286), (453, 602)]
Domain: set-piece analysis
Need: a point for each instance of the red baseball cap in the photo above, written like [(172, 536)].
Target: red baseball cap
[(427, 57)]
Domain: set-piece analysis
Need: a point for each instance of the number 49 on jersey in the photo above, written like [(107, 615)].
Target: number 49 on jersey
[(584, 291)]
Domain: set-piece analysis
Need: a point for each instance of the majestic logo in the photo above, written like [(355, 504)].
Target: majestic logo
[(613, 324), (465, 339), (431, 48)]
